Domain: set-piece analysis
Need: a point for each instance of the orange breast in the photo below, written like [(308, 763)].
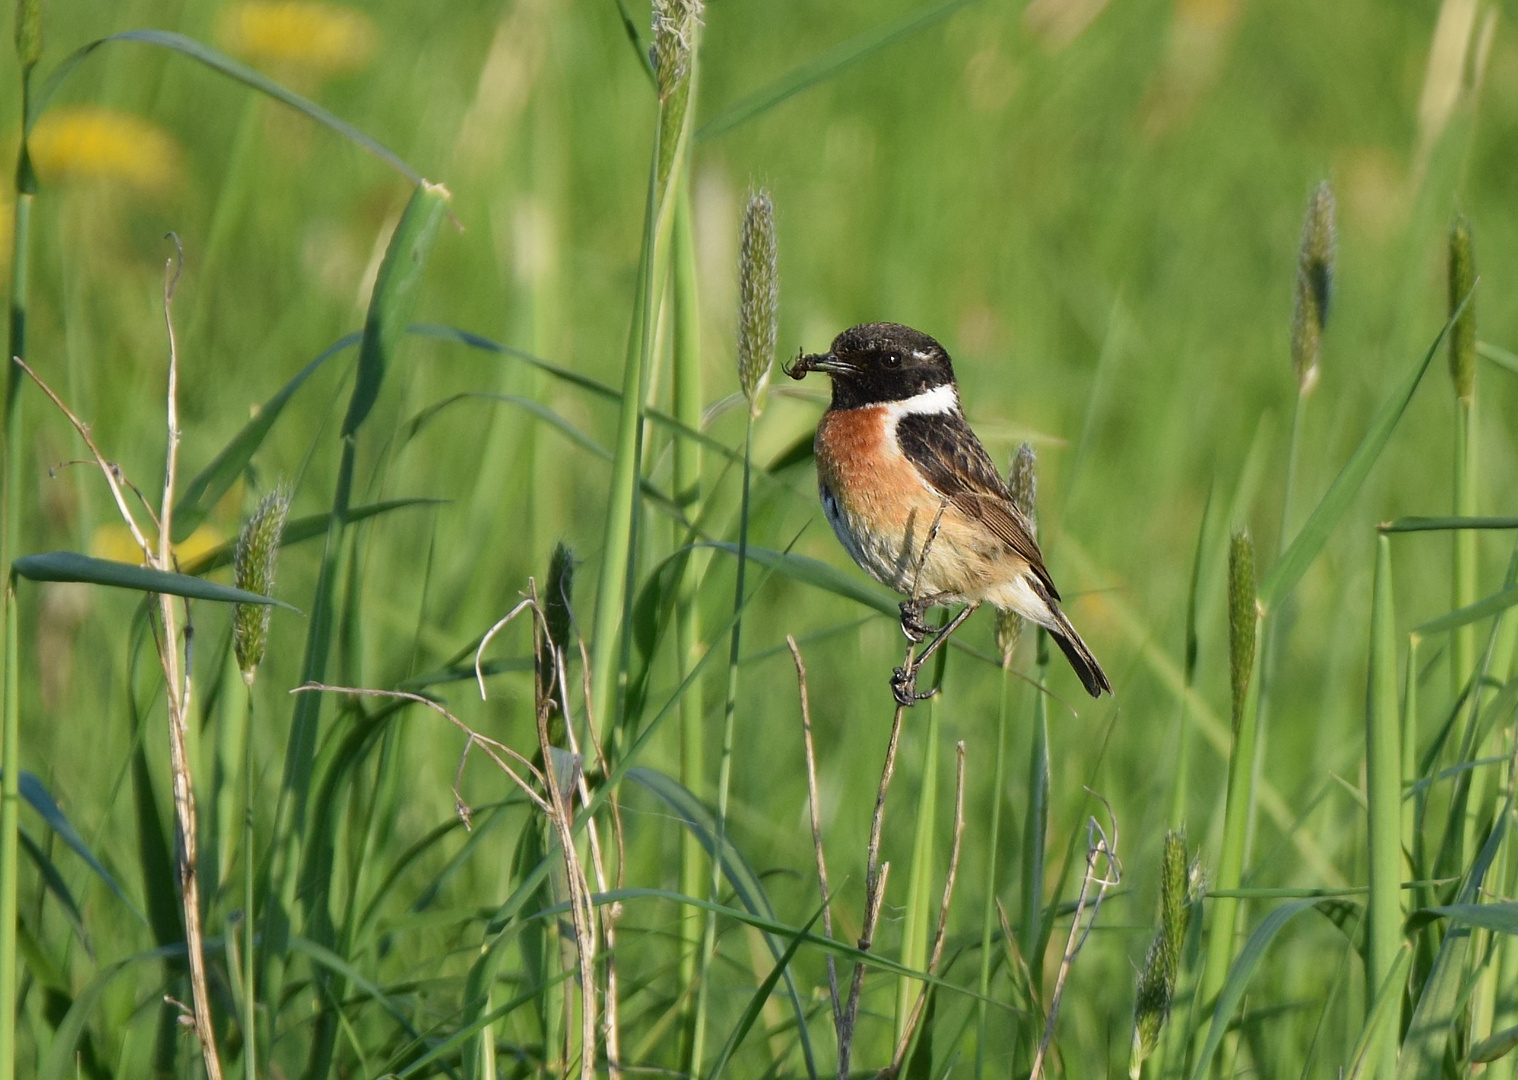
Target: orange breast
[(859, 462)]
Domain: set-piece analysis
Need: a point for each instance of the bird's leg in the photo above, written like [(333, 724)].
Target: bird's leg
[(904, 679)]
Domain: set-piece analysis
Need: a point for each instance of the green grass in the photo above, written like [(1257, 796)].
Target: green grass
[(1102, 230)]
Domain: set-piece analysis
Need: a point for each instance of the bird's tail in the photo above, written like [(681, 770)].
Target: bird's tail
[(1091, 674)]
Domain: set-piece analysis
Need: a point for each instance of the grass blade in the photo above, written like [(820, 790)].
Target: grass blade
[(212, 482), (395, 291), (746, 884), (1294, 562), (1381, 1020), (301, 529), (72, 566), (1438, 524), (760, 996), (36, 793), (1383, 769), (826, 65), (1239, 975), (1481, 609), (224, 64)]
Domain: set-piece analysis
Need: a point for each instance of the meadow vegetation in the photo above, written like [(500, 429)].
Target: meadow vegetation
[(424, 654)]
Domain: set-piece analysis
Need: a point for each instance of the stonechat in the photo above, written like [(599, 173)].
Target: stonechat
[(916, 500)]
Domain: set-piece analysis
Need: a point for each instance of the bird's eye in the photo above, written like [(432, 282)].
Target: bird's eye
[(892, 360)]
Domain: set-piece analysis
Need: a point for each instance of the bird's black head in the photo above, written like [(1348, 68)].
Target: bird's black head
[(879, 362)]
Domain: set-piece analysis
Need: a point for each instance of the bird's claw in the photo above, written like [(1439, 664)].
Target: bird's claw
[(912, 625), (904, 687)]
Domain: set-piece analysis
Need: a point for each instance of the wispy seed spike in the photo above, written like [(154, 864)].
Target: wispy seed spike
[(28, 32), (675, 23), (1315, 279), (1241, 617), (560, 595), (1022, 482), (253, 566), (758, 297), (1462, 335), (1156, 985)]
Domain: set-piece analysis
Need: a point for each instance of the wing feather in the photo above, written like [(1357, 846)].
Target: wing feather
[(954, 463)]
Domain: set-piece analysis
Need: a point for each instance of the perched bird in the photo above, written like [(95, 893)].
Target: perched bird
[(916, 500)]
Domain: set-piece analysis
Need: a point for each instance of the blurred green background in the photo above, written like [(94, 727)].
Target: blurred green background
[(1094, 206)]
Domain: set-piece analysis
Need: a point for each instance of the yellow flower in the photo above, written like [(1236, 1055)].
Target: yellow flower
[(88, 142), (318, 39), (114, 541)]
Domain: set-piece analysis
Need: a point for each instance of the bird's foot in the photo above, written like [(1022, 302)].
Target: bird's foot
[(912, 625), (904, 687)]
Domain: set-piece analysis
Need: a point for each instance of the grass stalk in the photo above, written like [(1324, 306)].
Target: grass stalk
[(28, 49), (1036, 825), (249, 877), (918, 913), (687, 466), (1383, 768), (618, 550), (1184, 735), (1462, 365), (724, 773), (1244, 619), (988, 922), (10, 808)]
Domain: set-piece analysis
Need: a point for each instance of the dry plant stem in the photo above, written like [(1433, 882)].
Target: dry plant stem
[(1097, 849), (474, 738), (874, 887), (943, 910), (816, 812), (112, 472), (561, 815), (177, 687), (581, 912), (611, 1027)]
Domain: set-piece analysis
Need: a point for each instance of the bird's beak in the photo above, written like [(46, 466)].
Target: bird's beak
[(826, 363)]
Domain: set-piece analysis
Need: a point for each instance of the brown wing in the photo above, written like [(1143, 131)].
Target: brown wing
[(952, 461)]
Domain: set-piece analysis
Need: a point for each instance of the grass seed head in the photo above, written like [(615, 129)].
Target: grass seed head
[(28, 32), (1242, 614), (557, 611), (675, 23), (253, 567), (1022, 482), (1462, 335), (1156, 985), (1315, 280), (758, 297)]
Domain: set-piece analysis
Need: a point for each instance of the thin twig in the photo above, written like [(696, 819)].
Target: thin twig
[(177, 687), (112, 471), (581, 911), (936, 955), (484, 742), (1098, 848), (609, 913), (816, 810), (874, 889)]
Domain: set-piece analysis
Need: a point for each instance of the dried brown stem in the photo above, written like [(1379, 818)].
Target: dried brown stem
[(489, 746), (816, 812), (112, 471), (1098, 849), (936, 955), (874, 888), (581, 911)]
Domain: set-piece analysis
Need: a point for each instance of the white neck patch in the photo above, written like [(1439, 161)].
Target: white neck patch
[(939, 400)]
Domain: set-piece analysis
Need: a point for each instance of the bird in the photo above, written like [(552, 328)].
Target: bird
[(917, 502)]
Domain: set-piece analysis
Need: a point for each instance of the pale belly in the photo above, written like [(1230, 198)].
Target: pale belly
[(927, 553)]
